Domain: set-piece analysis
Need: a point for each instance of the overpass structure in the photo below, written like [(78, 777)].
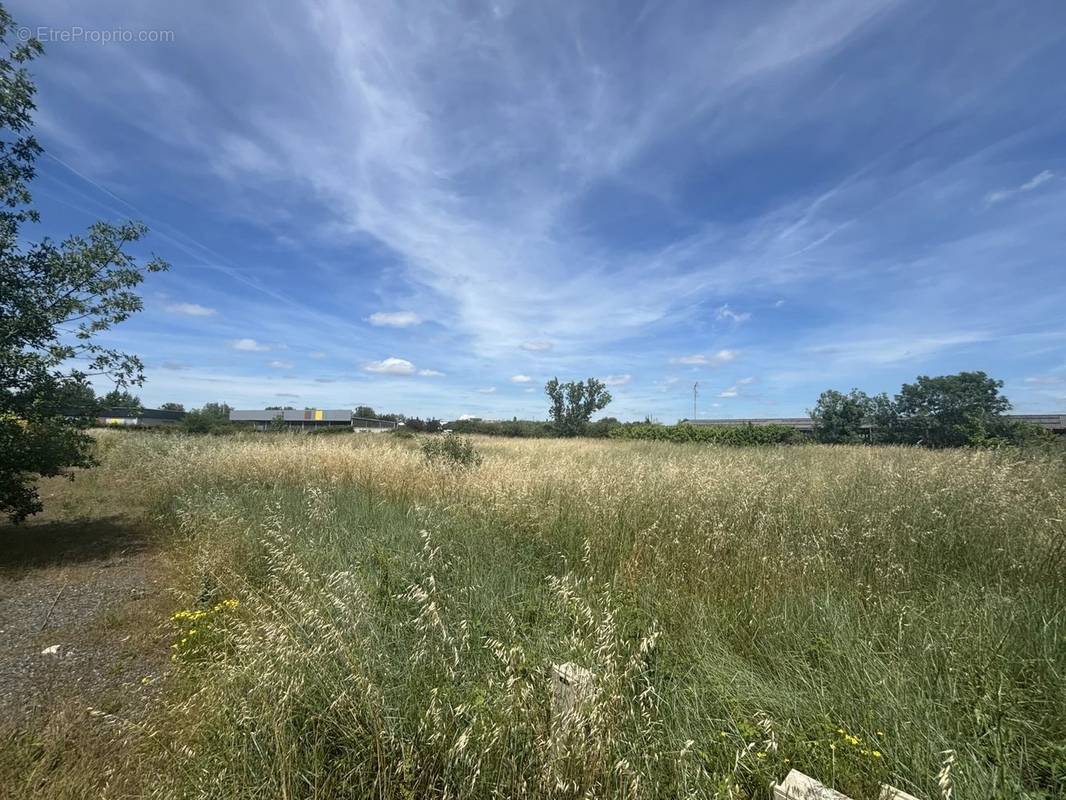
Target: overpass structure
[(1056, 423)]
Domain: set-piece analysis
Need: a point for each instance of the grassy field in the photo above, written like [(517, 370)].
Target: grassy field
[(353, 620)]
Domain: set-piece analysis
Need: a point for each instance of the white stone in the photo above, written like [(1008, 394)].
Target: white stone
[(892, 793), (51, 651), (797, 786), (571, 687)]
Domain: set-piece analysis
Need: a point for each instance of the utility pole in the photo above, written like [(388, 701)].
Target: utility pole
[(695, 394)]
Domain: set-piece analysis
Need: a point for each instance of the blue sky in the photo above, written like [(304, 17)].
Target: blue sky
[(432, 208)]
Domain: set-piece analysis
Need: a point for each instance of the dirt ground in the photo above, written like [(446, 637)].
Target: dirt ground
[(83, 637)]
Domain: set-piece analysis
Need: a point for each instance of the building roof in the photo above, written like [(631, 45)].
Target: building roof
[(291, 415)]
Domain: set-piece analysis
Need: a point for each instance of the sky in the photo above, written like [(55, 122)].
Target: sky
[(432, 208)]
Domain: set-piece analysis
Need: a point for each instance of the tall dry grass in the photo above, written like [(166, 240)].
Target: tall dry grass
[(851, 612)]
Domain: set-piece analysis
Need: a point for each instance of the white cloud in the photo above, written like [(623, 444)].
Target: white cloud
[(894, 348), (317, 354), (250, 345), (537, 346), (394, 319), (430, 373), (714, 360), (280, 365), (1002, 194), (730, 392), (190, 309), (779, 303), (488, 390), (725, 312), (1045, 380), (521, 379), (745, 381), (618, 380), (391, 366)]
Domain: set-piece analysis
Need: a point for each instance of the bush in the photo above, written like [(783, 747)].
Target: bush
[(738, 436), (518, 427), (1001, 432), (602, 428), (455, 451), (419, 425), (198, 421)]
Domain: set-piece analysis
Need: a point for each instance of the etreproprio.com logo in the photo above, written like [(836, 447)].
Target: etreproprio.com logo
[(76, 34)]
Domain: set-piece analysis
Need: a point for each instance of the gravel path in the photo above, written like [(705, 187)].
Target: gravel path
[(81, 610)]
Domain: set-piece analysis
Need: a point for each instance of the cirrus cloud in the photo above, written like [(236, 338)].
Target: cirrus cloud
[(394, 319), (190, 309), (713, 360), (540, 346), (726, 313)]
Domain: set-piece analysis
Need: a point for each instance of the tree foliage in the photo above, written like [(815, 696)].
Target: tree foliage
[(55, 298), (948, 410), (943, 411), (731, 435), (120, 398), (419, 425), (853, 417), (210, 418), (574, 403)]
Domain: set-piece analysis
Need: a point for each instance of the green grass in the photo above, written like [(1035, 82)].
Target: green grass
[(850, 612)]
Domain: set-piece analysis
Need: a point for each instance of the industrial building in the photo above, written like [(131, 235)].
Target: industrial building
[(138, 417), (1056, 423), (310, 419)]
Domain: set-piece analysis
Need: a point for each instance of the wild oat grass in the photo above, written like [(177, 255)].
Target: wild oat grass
[(387, 621)]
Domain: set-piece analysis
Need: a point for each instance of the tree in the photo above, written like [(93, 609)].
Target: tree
[(211, 418), (949, 410), (54, 300), (78, 399), (574, 403), (366, 412), (841, 418), (419, 425), (118, 398), (171, 407), (883, 419)]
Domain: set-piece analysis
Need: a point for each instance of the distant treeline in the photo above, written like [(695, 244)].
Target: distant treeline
[(531, 429), (737, 435)]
